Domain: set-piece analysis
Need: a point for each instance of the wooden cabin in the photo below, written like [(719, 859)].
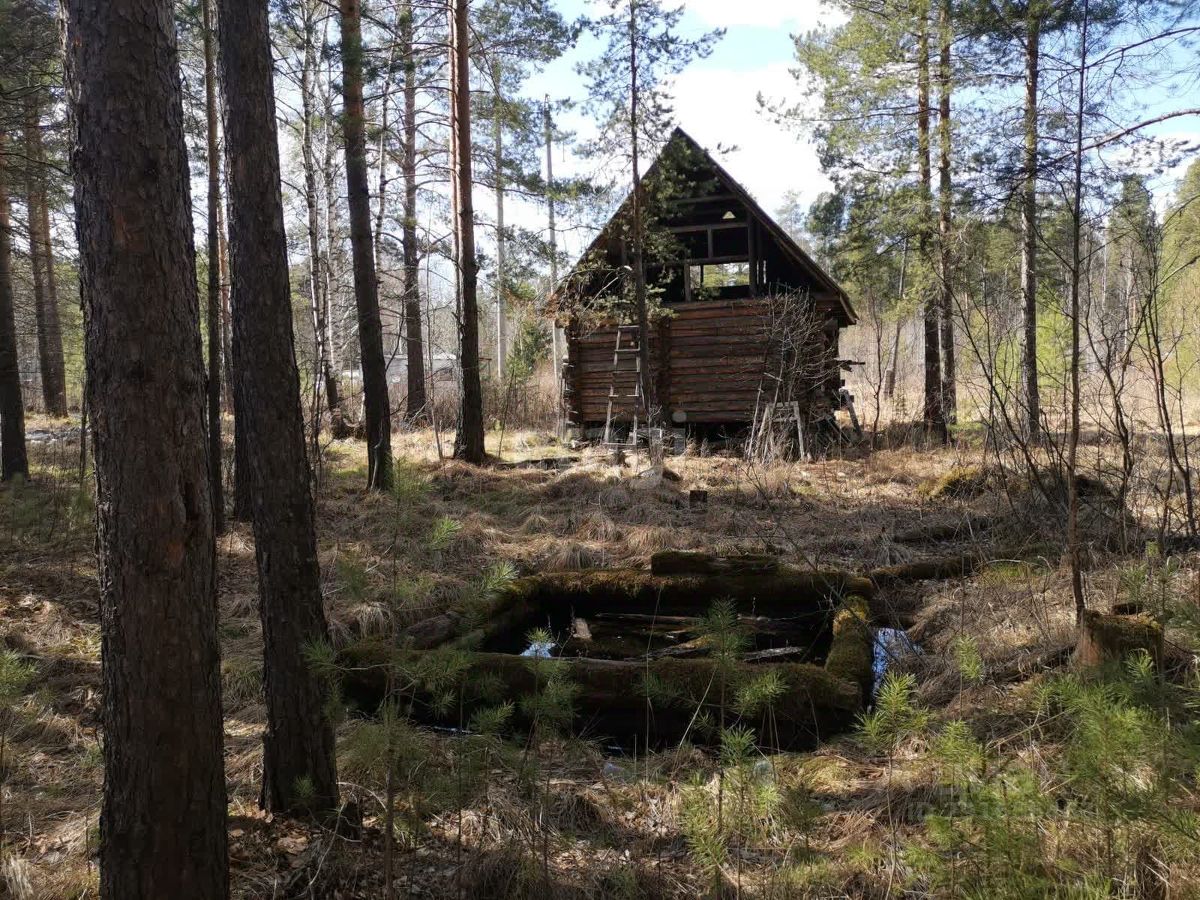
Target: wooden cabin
[(716, 267)]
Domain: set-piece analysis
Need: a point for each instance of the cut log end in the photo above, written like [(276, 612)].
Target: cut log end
[(1105, 638)]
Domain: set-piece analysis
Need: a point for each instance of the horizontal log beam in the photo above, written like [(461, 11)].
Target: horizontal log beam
[(611, 698)]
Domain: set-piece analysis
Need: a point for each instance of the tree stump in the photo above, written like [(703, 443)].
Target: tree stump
[(1105, 638)]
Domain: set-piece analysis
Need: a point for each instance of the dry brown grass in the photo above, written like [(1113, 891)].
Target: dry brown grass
[(601, 836)]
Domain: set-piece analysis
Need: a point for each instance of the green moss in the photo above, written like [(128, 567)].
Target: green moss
[(693, 562), (636, 590), (611, 696), (852, 653), (960, 483), (1003, 572)]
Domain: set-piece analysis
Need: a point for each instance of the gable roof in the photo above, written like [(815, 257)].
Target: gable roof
[(785, 241)]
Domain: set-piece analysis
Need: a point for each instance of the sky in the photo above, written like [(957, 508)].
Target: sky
[(716, 99)]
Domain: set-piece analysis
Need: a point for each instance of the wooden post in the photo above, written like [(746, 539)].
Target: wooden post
[(752, 252)]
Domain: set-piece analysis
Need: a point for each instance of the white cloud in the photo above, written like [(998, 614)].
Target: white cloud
[(720, 107), (800, 16), (716, 101)]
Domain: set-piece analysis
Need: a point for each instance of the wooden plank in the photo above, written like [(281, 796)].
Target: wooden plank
[(734, 326), (720, 225), (663, 388), (682, 369), (575, 373)]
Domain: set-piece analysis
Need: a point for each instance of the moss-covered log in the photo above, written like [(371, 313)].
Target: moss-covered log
[(959, 483), (694, 562), (958, 565), (852, 654), (941, 567), (611, 699), (963, 529), (431, 632)]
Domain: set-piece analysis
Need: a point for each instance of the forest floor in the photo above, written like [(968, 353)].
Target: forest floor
[(857, 817)]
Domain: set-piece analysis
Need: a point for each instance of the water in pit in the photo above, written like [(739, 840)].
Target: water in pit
[(891, 645), (621, 635)]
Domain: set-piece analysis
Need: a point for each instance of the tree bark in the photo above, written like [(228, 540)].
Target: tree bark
[(641, 301), (468, 443), (45, 281), (1029, 223), (333, 251), (1073, 540), (889, 381), (413, 343), (501, 243), (243, 488), (37, 275), (945, 210), (13, 460), (376, 405), (299, 770), (162, 822), (382, 180), (318, 261), (213, 309), (935, 420), (555, 337), (226, 317)]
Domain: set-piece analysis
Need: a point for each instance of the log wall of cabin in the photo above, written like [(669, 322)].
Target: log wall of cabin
[(717, 353)]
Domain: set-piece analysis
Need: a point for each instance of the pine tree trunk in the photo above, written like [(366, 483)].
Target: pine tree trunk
[(413, 343), (329, 181), (382, 180), (889, 381), (333, 251), (243, 485), (162, 823), (555, 337), (213, 308), (469, 441), (37, 275), (501, 244), (226, 318), (641, 301), (376, 405), (1074, 548), (13, 460), (299, 771), (45, 280), (934, 416), (318, 262), (945, 201), (1029, 225)]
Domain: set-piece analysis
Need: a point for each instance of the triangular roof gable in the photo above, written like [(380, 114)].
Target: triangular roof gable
[(786, 242)]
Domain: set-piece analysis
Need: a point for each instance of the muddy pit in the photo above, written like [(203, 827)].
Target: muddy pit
[(639, 651), (594, 632)]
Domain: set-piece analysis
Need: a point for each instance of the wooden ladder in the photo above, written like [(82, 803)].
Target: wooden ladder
[(764, 434), (625, 407)]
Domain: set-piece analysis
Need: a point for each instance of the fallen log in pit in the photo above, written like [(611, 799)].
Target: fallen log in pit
[(611, 695), (784, 593), (968, 527), (958, 565), (694, 562)]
